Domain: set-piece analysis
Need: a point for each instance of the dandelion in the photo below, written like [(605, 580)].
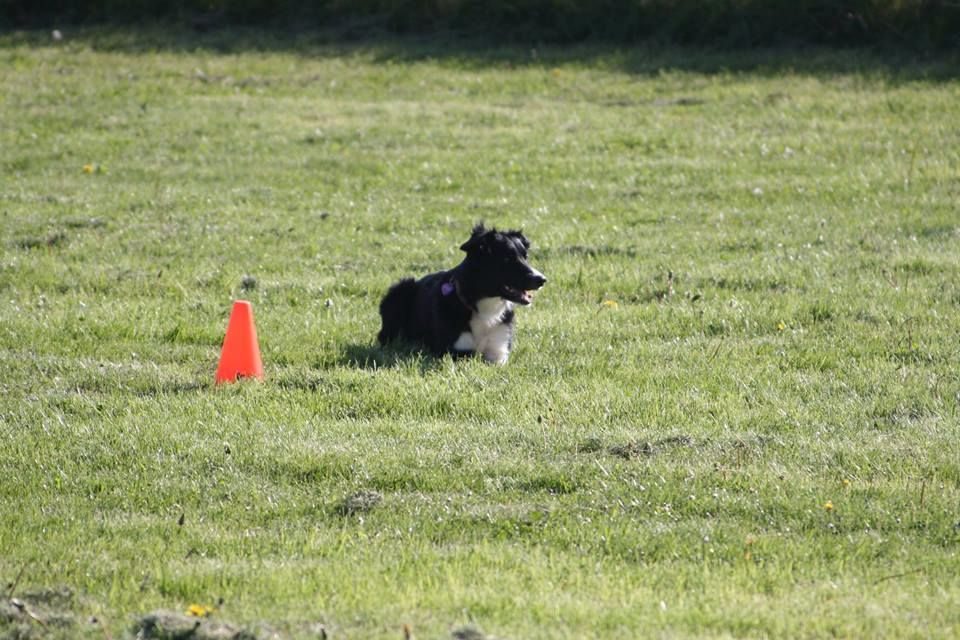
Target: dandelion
[(846, 483), (781, 326), (828, 505), (89, 168), (199, 610), (609, 304)]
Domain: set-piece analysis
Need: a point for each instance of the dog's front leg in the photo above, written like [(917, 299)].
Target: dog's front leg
[(496, 345), (464, 346)]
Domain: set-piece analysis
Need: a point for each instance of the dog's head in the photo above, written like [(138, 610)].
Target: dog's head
[(498, 260)]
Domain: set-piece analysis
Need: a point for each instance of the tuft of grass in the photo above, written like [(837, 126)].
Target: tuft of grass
[(751, 313)]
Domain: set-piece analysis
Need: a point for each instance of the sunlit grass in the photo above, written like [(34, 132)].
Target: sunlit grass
[(732, 410)]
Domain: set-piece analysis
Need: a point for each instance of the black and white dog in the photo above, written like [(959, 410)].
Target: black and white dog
[(468, 309)]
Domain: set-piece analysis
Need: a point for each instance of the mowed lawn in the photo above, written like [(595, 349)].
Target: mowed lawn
[(732, 411)]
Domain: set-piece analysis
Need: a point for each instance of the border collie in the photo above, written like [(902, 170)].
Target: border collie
[(468, 309)]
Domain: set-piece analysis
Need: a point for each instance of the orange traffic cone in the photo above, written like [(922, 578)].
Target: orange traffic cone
[(240, 357)]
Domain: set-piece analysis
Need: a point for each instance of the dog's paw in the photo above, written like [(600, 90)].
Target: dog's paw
[(496, 356)]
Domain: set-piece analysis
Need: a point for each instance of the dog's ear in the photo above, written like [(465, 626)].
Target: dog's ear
[(476, 241), (519, 236)]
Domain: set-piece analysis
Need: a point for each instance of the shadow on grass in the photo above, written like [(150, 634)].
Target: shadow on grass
[(373, 357), (139, 387), (174, 388), (894, 65)]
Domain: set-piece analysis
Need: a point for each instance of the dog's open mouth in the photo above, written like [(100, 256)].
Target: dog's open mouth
[(518, 295)]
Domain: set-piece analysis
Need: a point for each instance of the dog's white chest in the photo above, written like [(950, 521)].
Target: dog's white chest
[(488, 334)]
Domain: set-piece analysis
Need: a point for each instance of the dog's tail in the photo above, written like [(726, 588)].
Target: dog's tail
[(395, 309)]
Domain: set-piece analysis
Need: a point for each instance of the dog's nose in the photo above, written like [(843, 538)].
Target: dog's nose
[(538, 280)]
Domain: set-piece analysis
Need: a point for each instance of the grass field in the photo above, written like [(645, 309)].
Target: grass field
[(733, 411)]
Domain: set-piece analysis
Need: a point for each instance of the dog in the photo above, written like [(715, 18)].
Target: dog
[(470, 308)]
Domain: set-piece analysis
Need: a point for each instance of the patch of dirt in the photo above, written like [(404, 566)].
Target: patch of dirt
[(683, 101), (38, 614), (85, 223), (633, 450), (590, 445), (51, 240), (360, 502), (169, 625), (746, 447)]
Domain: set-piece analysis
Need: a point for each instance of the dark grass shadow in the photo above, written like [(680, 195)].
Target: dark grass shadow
[(174, 388), (737, 448), (373, 357), (580, 252), (894, 64), (139, 387)]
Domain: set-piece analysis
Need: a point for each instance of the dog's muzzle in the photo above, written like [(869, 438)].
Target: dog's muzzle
[(535, 280)]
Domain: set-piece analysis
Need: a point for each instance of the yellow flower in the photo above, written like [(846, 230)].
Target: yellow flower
[(846, 483), (88, 168), (610, 304), (828, 505), (199, 610), (781, 326)]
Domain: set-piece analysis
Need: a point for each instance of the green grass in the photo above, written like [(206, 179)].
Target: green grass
[(779, 234)]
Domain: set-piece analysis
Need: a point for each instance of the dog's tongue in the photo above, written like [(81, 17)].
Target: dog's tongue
[(527, 296)]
